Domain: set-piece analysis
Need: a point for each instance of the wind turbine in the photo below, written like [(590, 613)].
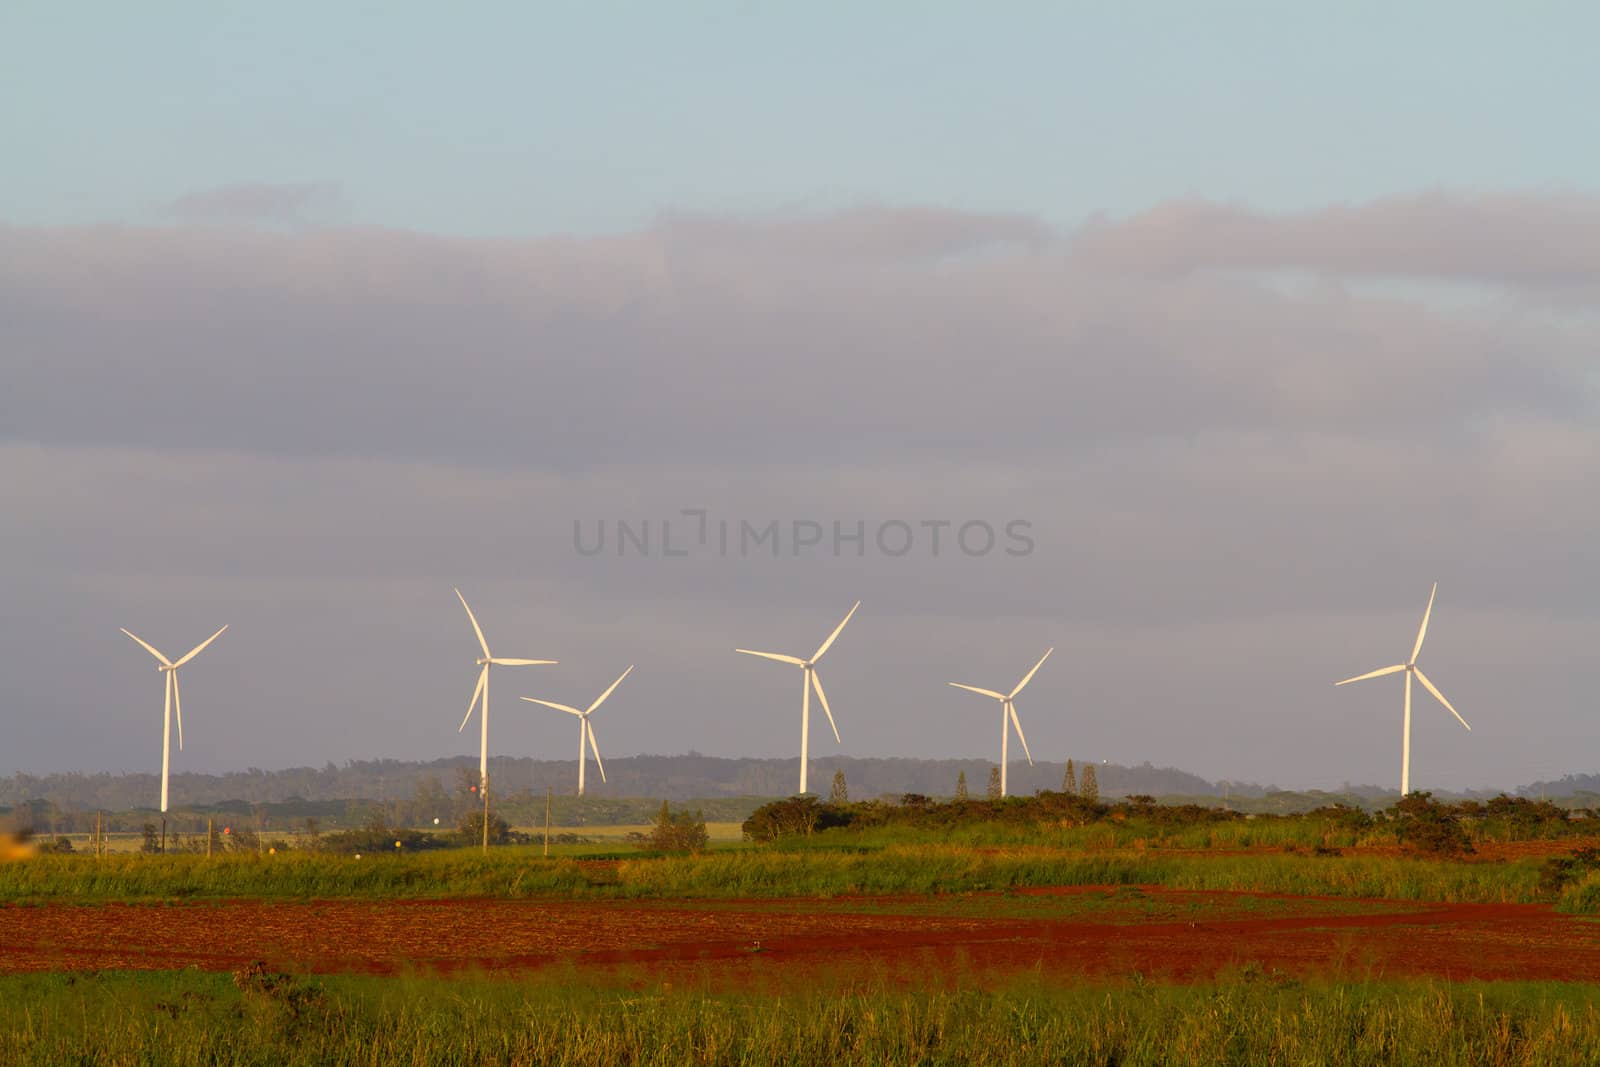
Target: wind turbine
[(1411, 668), (172, 701), (585, 730), (486, 661), (808, 670), (1008, 715)]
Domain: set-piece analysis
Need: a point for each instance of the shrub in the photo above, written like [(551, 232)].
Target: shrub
[(678, 831), (1429, 827)]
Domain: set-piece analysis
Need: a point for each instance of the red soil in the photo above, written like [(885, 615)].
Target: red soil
[(1455, 941)]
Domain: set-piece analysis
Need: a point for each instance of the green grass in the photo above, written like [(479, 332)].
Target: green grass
[(563, 1017), (1581, 897), (811, 871)]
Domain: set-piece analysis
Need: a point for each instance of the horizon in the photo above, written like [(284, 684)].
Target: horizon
[(823, 765)]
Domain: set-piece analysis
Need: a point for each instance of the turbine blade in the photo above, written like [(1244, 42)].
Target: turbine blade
[(177, 706), (817, 683), (975, 689), (197, 649), (774, 655), (834, 636), (523, 662), (613, 689), (483, 677), (1429, 686), (1373, 674), (595, 748), (1012, 708), (148, 647), (550, 704), (1423, 631), (1029, 676), (475, 627)]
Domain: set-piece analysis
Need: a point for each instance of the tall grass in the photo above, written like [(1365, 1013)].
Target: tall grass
[(891, 869), (194, 1018), (1581, 897)]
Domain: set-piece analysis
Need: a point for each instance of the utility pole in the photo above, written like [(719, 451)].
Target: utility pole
[(546, 822), (211, 833), (100, 834), (163, 833)]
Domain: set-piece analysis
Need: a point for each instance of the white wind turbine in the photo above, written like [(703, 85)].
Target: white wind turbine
[(1008, 715), (173, 700), (1411, 668), (808, 670), (585, 730), (486, 661)]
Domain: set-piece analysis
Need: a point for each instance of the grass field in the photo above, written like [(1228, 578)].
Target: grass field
[(938, 924), (812, 871), (570, 1018)]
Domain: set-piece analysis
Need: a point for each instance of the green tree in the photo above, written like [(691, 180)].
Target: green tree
[(677, 832), (1069, 781), (152, 838), (994, 783), (961, 786), (1091, 784), (840, 793), (470, 828), (429, 802)]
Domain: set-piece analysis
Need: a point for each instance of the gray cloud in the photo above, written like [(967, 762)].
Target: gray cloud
[(1241, 488)]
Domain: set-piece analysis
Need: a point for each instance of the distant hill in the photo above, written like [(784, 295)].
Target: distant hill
[(679, 778), (685, 777), (1585, 787)]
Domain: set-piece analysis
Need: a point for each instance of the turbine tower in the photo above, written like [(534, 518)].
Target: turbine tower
[(808, 671), (173, 701), (585, 730), (1411, 668), (486, 661), (1008, 715)]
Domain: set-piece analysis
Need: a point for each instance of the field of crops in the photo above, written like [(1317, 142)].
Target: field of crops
[(1124, 940)]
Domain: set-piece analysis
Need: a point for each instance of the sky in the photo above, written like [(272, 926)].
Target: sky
[(1195, 344)]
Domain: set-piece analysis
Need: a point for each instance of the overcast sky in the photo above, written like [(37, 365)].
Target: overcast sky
[(1236, 333)]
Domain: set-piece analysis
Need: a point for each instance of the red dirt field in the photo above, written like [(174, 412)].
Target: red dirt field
[(1118, 936)]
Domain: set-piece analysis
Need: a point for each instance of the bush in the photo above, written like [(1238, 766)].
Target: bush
[(1558, 871), (798, 816), (1429, 827), (469, 831), (376, 837), (677, 831)]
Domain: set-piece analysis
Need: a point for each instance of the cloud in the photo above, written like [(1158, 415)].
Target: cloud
[(1545, 242), (1241, 486), (260, 202)]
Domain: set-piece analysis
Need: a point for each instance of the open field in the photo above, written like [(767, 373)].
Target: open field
[(1119, 940), (1088, 932)]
